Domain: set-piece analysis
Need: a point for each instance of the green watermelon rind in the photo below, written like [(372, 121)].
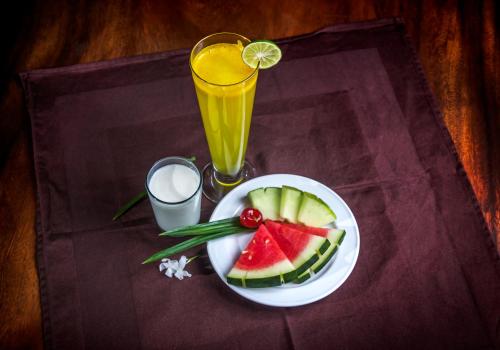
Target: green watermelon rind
[(316, 254), (263, 282), (306, 275), (271, 276), (302, 277)]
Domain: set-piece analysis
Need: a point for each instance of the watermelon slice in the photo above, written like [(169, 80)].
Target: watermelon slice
[(302, 249), (262, 263), (291, 198), (291, 204), (335, 236), (317, 231), (267, 201), (314, 211)]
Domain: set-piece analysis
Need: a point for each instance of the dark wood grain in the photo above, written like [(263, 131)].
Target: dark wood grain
[(457, 42)]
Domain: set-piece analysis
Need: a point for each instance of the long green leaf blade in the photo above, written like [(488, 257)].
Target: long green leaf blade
[(190, 243), (207, 224), (130, 204), (207, 232), (231, 222)]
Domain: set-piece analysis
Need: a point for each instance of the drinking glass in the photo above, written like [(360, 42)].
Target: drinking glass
[(184, 212), (225, 88)]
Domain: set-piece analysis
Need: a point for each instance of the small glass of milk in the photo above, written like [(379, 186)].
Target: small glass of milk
[(174, 188)]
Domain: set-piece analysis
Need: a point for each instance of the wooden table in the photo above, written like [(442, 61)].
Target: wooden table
[(457, 44)]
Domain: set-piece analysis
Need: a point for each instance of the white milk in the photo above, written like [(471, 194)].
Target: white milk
[(177, 191), (174, 183)]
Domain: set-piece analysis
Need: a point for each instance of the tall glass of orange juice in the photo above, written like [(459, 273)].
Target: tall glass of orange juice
[(225, 87)]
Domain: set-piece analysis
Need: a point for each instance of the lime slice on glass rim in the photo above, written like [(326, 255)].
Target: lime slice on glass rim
[(262, 53)]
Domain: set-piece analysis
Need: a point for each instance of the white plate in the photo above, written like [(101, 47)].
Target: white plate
[(224, 252)]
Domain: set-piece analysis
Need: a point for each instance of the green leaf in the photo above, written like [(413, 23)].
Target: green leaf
[(190, 243), (138, 198), (192, 258), (130, 205), (207, 232), (203, 228)]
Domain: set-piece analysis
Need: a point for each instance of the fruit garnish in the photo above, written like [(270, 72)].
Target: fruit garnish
[(261, 53), (251, 218)]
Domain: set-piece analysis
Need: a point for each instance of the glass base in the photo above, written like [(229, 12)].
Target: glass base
[(217, 185)]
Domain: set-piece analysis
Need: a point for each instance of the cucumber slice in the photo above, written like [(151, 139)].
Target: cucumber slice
[(314, 212), (267, 201), (336, 237), (290, 203)]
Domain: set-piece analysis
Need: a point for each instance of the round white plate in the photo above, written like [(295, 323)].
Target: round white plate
[(224, 252)]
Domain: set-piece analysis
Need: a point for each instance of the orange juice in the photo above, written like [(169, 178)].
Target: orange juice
[(225, 87)]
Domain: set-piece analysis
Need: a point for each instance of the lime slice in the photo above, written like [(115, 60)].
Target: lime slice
[(264, 51)]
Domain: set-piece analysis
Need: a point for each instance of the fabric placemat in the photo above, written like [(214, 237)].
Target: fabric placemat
[(348, 106)]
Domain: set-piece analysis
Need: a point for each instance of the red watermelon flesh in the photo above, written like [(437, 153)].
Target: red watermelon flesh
[(291, 241), (317, 231), (301, 249), (262, 251)]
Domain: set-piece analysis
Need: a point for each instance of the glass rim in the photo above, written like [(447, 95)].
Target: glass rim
[(174, 158), (256, 69)]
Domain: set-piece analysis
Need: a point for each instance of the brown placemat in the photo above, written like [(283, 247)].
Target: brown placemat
[(347, 106)]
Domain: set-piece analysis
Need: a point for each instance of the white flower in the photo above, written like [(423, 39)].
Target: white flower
[(175, 268)]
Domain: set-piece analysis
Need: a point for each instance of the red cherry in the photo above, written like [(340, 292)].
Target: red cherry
[(250, 217)]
